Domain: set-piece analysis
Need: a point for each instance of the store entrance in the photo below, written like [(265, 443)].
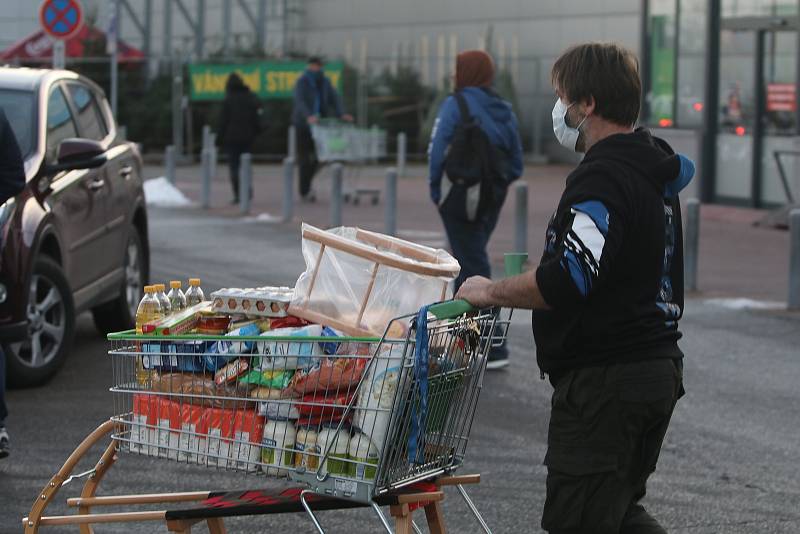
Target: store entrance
[(758, 147)]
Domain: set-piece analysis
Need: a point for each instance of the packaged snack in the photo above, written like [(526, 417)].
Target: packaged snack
[(289, 354), (196, 389), (270, 379), (259, 301), (213, 324), (221, 352), (330, 375), (173, 356), (326, 407), (289, 321), (231, 372), (177, 324)]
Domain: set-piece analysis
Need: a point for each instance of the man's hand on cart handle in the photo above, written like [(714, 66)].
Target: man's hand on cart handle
[(347, 117), (312, 119), (520, 291)]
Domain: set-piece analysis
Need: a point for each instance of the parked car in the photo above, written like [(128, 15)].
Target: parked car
[(75, 239)]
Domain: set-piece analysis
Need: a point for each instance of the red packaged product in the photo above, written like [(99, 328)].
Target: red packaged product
[(325, 407), (335, 376)]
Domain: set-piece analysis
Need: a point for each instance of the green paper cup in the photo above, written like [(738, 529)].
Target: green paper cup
[(515, 261)]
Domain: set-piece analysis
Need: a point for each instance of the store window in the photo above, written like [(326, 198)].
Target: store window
[(661, 50)]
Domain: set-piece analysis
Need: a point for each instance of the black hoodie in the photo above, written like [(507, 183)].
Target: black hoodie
[(612, 269)]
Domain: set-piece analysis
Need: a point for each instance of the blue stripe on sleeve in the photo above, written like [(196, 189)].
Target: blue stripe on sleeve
[(582, 282)]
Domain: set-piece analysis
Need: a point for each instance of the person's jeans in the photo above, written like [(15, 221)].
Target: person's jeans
[(234, 155), (469, 239), (3, 407), (306, 159)]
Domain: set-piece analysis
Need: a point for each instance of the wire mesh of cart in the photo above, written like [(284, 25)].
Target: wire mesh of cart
[(336, 141), (347, 417)]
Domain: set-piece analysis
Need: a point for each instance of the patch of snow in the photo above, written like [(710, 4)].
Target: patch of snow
[(159, 192), (263, 217), (746, 304)]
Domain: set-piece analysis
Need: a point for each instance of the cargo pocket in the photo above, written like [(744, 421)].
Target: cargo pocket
[(574, 476)]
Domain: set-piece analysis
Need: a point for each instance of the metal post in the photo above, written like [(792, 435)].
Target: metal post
[(206, 136), (401, 153), (291, 142), (794, 259), (758, 126), (112, 37), (261, 23), (207, 159), (711, 101), (391, 201), (212, 144), (521, 217), (167, 49), (245, 182), (288, 189), (59, 54), (177, 107), (122, 132), (169, 163), (691, 244), (226, 28), (336, 195), (200, 30)]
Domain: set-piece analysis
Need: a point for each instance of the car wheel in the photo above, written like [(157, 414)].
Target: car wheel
[(51, 327), (120, 313)]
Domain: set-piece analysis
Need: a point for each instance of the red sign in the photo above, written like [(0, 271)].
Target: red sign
[(61, 19), (781, 97)]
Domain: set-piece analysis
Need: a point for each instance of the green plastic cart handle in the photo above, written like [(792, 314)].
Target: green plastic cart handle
[(451, 309)]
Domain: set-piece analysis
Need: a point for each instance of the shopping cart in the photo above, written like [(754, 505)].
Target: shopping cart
[(353, 421), (342, 142)]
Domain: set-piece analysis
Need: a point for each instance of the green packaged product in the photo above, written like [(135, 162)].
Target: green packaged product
[(271, 379)]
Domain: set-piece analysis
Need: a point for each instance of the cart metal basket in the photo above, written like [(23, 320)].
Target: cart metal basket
[(347, 417)]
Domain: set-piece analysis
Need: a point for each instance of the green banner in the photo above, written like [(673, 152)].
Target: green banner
[(267, 79)]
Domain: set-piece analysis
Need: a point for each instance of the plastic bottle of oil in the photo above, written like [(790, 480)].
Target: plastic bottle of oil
[(149, 310), (176, 297), (166, 305), (194, 295)]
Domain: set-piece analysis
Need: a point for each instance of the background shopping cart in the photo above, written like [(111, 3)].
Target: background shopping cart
[(342, 142)]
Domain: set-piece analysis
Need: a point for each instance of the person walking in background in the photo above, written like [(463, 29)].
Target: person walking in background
[(12, 181), (239, 125), (607, 297), (314, 98), (474, 154)]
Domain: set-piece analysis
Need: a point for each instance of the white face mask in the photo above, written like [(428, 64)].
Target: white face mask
[(566, 135)]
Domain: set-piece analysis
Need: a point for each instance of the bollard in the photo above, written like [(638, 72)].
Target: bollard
[(391, 201), (206, 159), (206, 136), (212, 144), (169, 163), (794, 259), (288, 189), (291, 142), (691, 244), (336, 195), (401, 154), (122, 132), (245, 182), (521, 217)]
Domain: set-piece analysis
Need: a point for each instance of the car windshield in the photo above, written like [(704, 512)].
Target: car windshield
[(18, 107)]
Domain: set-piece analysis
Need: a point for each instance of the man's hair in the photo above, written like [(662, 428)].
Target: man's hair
[(315, 60), (605, 71)]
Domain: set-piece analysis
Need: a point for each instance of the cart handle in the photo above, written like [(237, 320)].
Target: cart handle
[(450, 309)]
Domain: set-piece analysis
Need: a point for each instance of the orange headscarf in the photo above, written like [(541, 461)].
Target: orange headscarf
[(474, 68)]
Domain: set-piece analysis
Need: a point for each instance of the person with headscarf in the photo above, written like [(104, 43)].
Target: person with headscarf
[(314, 98), (239, 125), (470, 213)]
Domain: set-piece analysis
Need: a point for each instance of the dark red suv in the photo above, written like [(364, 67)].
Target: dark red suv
[(75, 239)]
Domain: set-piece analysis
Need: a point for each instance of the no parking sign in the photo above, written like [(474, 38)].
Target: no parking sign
[(61, 19)]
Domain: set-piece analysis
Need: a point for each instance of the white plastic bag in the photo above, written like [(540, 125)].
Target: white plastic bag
[(363, 279)]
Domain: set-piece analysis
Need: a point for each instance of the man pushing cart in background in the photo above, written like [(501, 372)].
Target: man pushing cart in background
[(314, 98)]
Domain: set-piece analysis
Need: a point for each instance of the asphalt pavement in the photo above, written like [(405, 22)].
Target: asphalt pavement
[(729, 464)]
